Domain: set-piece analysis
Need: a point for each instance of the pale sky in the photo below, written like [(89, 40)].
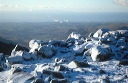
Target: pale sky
[(54, 10), (65, 5)]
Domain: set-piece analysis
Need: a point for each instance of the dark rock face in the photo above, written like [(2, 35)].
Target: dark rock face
[(53, 73), (83, 64), (16, 70), (48, 72), (123, 62), (6, 48), (79, 81), (60, 68), (1, 69), (102, 71), (57, 75)]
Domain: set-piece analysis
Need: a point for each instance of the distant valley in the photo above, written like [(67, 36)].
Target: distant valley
[(23, 32)]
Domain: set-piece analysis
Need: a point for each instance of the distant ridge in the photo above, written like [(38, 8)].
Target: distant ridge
[(6, 46)]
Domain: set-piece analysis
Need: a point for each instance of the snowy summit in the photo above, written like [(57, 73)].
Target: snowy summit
[(100, 58)]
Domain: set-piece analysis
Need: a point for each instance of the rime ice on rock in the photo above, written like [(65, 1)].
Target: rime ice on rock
[(99, 53), (100, 32), (75, 36)]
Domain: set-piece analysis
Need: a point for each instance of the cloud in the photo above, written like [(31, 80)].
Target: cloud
[(8, 6), (122, 2)]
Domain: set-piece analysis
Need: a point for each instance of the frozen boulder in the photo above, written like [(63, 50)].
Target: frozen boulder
[(18, 76), (53, 73), (123, 33), (121, 42), (75, 64), (34, 55), (34, 43), (100, 32), (48, 72), (79, 49), (102, 71), (26, 55), (16, 57), (58, 43), (15, 60), (101, 52), (111, 34), (91, 44), (75, 36), (47, 50), (16, 53), (57, 75)]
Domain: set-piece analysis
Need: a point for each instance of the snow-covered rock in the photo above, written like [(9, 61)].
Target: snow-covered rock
[(100, 32), (47, 50), (67, 60), (73, 64), (79, 49), (123, 33), (15, 60), (121, 42), (16, 57), (34, 43), (75, 36), (26, 55), (101, 52), (58, 43)]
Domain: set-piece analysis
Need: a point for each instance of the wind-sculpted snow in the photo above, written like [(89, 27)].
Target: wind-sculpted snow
[(100, 58)]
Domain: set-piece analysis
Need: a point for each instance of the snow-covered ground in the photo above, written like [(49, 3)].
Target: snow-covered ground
[(99, 58)]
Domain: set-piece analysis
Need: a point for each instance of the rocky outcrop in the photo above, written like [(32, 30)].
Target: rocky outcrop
[(77, 59)]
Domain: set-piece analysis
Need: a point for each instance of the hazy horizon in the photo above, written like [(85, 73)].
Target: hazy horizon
[(64, 11)]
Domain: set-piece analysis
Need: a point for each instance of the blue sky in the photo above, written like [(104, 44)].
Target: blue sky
[(54, 10), (65, 5)]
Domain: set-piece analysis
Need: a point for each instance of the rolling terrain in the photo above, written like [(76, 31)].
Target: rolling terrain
[(23, 32)]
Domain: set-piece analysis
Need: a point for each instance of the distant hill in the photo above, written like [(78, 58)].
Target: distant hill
[(115, 26), (22, 33), (6, 46)]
